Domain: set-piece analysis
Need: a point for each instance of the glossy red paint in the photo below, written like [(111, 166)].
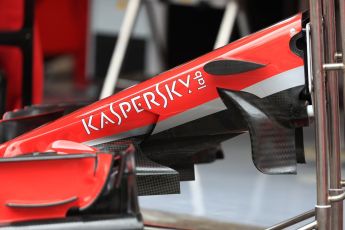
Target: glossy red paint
[(70, 179), (50, 186), (169, 93)]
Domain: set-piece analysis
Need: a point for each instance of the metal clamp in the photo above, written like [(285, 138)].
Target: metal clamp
[(338, 56), (333, 66), (336, 198), (309, 60), (342, 182)]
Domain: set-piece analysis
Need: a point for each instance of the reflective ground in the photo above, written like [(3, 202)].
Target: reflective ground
[(233, 191)]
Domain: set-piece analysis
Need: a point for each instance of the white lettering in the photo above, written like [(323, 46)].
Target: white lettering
[(201, 81), (135, 105), (147, 100), (185, 83), (125, 111), (162, 95), (197, 74), (121, 111), (115, 113), (103, 116), (172, 91), (89, 125)]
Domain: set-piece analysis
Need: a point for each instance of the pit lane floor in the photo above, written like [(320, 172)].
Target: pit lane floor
[(232, 191)]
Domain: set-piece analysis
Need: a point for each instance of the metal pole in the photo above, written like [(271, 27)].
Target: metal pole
[(342, 31), (293, 221), (309, 226), (319, 93), (342, 26), (116, 61), (227, 24), (333, 114)]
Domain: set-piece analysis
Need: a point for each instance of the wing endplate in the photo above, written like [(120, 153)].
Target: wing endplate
[(275, 146)]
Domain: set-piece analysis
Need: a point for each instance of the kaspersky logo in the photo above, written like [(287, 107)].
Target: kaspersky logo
[(161, 96)]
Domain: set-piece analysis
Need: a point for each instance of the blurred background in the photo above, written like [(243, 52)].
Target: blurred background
[(72, 42)]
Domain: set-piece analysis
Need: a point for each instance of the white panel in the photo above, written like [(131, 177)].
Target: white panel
[(286, 80)]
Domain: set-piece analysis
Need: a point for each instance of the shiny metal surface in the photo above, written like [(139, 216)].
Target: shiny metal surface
[(319, 94), (338, 56), (309, 61), (333, 112), (310, 226), (336, 198), (333, 66), (342, 26), (293, 221), (342, 54)]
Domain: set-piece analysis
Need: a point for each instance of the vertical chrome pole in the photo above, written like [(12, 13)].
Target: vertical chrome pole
[(342, 35), (342, 31), (319, 93), (342, 26), (333, 114)]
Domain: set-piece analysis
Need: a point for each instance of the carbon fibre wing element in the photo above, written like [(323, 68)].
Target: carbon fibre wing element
[(275, 139)]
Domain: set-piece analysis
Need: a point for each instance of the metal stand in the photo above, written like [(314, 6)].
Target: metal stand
[(323, 73), (319, 94), (336, 220)]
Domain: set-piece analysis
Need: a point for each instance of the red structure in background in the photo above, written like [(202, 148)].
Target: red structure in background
[(11, 19), (63, 30), (60, 28)]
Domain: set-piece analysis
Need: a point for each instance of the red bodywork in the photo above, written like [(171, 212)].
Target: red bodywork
[(47, 187), (162, 97)]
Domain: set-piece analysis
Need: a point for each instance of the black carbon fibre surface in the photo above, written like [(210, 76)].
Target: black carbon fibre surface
[(286, 107), (115, 146), (195, 142), (155, 179), (152, 178), (272, 125), (24, 120), (45, 108), (228, 67), (12, 128)]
